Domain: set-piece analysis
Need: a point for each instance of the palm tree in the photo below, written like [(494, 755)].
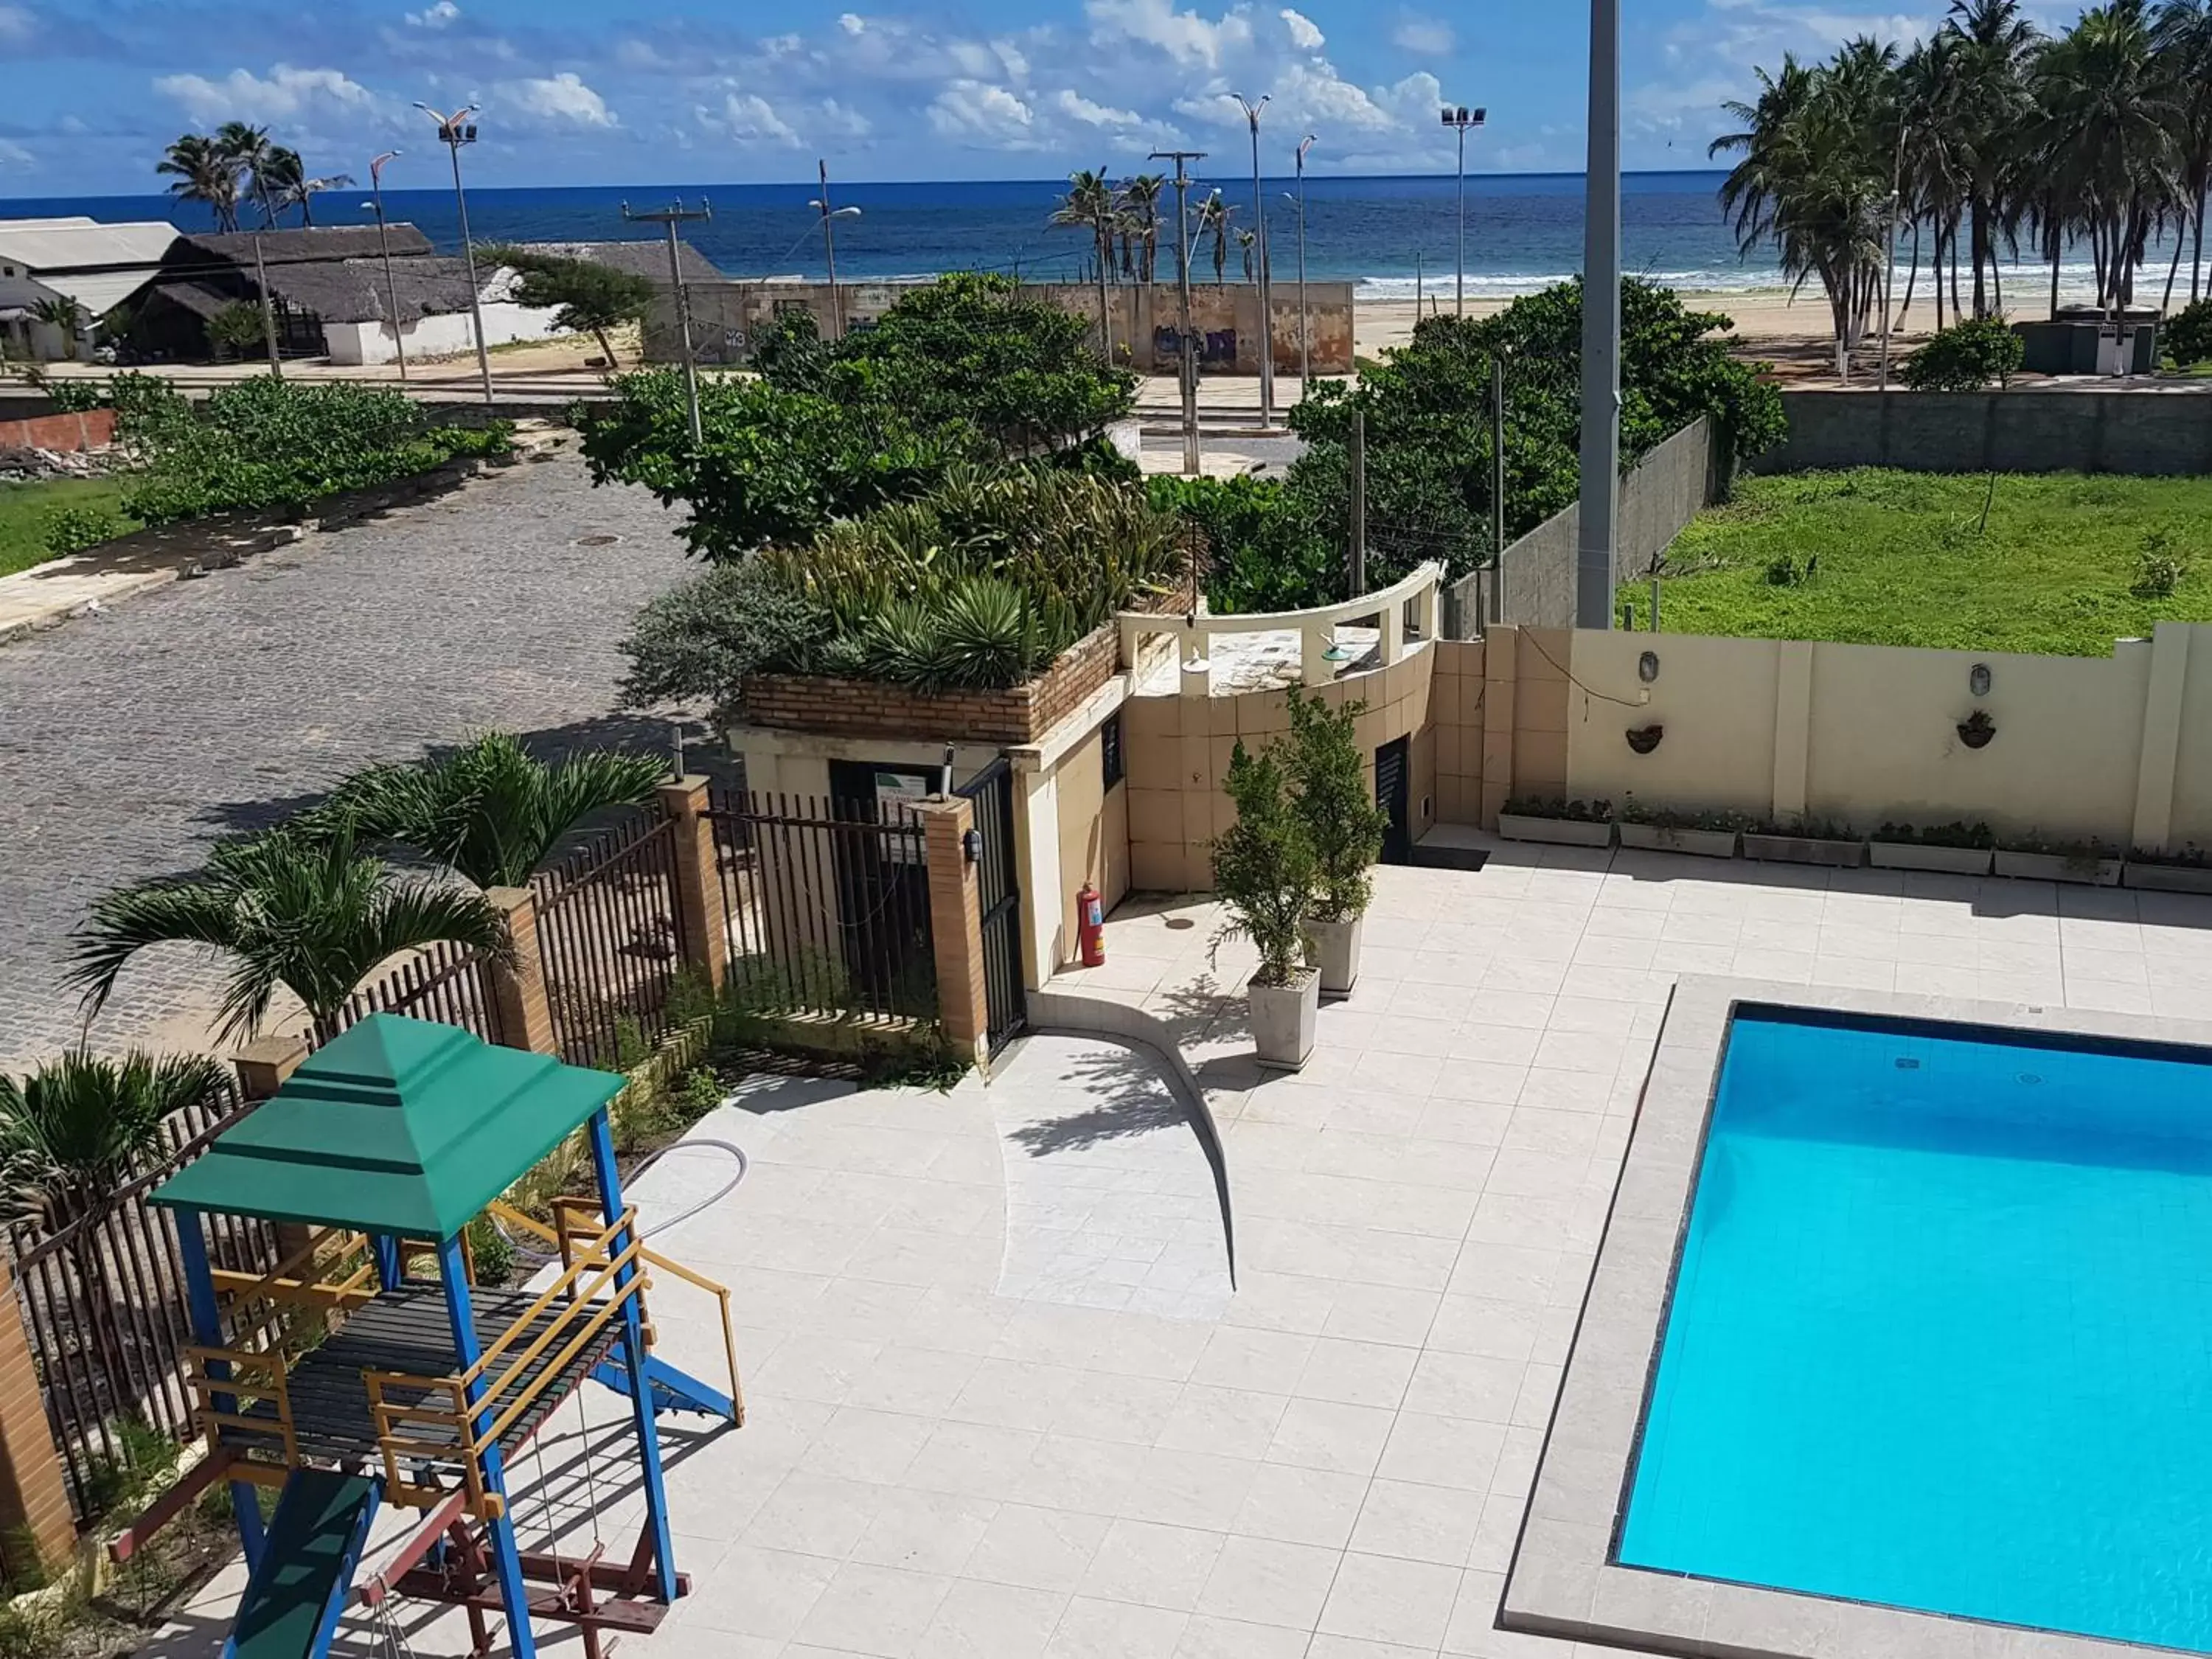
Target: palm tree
[(1245, 238), (204, 172), (304, 912), (1213, 220), (1141, 197), (75, 1131), (490, 811), (1994, 45), (256, 160), (2183, 39), (1089, 205)]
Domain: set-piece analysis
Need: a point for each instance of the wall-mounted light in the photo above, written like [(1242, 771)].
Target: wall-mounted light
[(1977, 679), (1647, 667), (971, 846)]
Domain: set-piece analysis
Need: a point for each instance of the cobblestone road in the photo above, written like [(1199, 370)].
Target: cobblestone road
[(129, 740)]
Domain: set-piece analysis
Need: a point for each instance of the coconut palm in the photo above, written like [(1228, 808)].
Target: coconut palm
[(1245, 238), (305, 913), (1994, 45), (1140, 198), (204, 172), (289, 187), (2183, 39), (75, 1131), (1213, 221), (1089, 205), (258, 160), (490, 811)]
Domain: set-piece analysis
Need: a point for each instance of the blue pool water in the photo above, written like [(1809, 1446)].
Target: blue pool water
[(1942, 1333)]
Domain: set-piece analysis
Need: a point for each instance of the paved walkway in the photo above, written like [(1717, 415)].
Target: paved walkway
[(129, 740)]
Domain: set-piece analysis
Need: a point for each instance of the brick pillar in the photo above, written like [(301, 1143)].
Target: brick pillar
[(262, 1066), (956, 926), (698, 878), (524, 1017), (35, 1503)]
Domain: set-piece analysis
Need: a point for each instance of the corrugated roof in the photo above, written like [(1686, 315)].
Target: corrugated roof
[(97, 291), (44, 247), (398, 1125)]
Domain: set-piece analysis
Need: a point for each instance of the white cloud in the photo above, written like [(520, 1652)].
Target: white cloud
[(1077, 108), (1430, 37), (976, 112), (13, 155), (435, 16), (1305, 33), (15, 25), (835, 120), (286, 94), (1182, 35), (561, 99), (851, 22), (750, 118)]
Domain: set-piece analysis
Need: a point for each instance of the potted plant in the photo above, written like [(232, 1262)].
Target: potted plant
[(2189, 870), (1562, 822), (2085, 863), (1264, 871), (1806, 841), (1663, 828), (1956, 848), (1344, 825)]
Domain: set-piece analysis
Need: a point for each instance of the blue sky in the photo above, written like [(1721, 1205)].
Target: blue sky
[(617, 92)]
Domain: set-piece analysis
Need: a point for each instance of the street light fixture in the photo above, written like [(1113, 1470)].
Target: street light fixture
[(1259, 244), (453, 131), (383, 247), (821, 206), (1305, 320), (1460, 118)]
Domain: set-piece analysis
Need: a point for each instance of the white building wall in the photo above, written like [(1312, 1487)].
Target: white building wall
[(352, 344)]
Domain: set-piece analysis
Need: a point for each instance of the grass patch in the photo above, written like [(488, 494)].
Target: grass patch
[(2067, 563), (27, 511)]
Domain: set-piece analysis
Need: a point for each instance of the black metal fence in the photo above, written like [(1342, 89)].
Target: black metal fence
[(826, 905), (991, 792), (446, 981), (610, 940), (104, 1308)]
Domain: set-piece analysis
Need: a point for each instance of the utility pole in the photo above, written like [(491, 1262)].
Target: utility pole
[(1889, 249), (1259, 247), (821, 206), (1359, 503), (383, 247), (1496, 609), (268, 311), (671, 217), (1417, 285), (1461, 119), (453, 131), (1601, 434), (1187, 347), (1305, 317)]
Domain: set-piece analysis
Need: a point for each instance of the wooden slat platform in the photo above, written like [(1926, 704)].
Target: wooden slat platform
[(406, 1331)]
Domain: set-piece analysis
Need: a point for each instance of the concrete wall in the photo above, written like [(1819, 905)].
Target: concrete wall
[(1094, 836), (2165, 431), (728, 317), (445, 334), (2118, 749), (1661, 494)]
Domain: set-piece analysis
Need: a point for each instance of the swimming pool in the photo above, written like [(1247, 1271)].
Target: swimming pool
[(1940, 1333)]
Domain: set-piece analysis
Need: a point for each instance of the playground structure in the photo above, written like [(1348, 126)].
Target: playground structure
[(349, 1376)]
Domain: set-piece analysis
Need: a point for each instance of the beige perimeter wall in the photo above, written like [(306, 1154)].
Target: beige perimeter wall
[(1094, 836)]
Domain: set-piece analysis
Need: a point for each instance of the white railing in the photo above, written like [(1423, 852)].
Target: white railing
[(1408, 612)]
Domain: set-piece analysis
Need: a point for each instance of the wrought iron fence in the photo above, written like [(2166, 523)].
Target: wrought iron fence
[(445, 982), (610, 940), (103, 1301), (826, 906)]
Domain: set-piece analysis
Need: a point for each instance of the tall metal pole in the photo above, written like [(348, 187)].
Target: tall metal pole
[(1259, 247), (1889, 249), (1601, 433), (829, 255), (671, 217), (1306, 316), (453, 131), (383, 247), (1459, 274), (1187, 347), (1495, 610), (268, 311), (1358, 502)]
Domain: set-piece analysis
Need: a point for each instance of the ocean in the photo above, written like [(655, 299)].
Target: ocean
[(1386, 234)]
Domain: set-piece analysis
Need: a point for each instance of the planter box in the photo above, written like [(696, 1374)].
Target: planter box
[(1283, 1021), (1804, 849), (1916, 855), (1705, 844), (1335, 954), (2056, 866), (1560, 832), (2169, 878)]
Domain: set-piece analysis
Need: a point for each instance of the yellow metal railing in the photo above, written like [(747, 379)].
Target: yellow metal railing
[(252, 1373)]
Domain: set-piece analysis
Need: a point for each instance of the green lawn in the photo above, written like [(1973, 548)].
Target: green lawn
[(1901, 558), (24, 509)]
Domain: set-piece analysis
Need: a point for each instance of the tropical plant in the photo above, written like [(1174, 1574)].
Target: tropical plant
[(698, 640), (257, 160), (1336, 803), (55, 312), (73, 528), (299, 911), (74, 1132), (1090, 205), (2188, 333), (1141, 220), (204, 171), (1213, 221), (1265, 870), (1965, 357), (489, 811), (237, 328), (584, 295), (1245, 241)]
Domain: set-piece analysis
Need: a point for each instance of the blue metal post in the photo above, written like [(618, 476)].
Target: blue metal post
[(390, 1269), (206, 1330), (634, 1357), (506, 1560)]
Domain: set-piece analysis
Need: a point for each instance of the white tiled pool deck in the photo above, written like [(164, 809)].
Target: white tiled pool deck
[(975, 1431)]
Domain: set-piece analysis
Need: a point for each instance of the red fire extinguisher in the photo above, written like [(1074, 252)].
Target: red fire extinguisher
[(1091, 926)]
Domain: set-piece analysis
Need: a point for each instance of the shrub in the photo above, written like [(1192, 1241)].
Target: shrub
[(2188, 333), (74, 397), (701, 638), (492, 1251), (1551, 807), (585, 296), (1267, 550), (2158, 568), (73, 528), (1264, 868), (237, 330), (1336, 802), (1965, 357), (1975, 836)]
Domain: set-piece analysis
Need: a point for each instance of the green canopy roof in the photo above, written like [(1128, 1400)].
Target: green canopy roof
[(398, 1125)]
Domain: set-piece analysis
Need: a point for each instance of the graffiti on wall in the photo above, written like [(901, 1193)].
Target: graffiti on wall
[(1217, 345)]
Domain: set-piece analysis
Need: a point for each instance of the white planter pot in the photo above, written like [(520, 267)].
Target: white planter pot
[(2169, 878), (2058, 866), (1283, 1021), (1804, 849), (1336, 954), (1916, 855), (1560, 832), (1706, 843)]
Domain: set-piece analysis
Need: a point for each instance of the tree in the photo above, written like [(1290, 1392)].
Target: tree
[(238, 329), (303, 912), (1245, 238), (1264, 868), (205, 173), (2183, 41), (1213, 220), (585, 295), (75, 1131), (490, 811), (1089, 205), (289, 186), (1343, 822), (1994, 45), (1140, 198)]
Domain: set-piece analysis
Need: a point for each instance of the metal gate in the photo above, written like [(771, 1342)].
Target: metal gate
[(1394, 794), (992, 793)]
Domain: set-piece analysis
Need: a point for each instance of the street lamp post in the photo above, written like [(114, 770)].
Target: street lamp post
[(1600, 459), (1259, 244), (453, 131), (1305, 317), (383, 247), (821, 206), (1460, 118), (1889, 246), (1186, 347)]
